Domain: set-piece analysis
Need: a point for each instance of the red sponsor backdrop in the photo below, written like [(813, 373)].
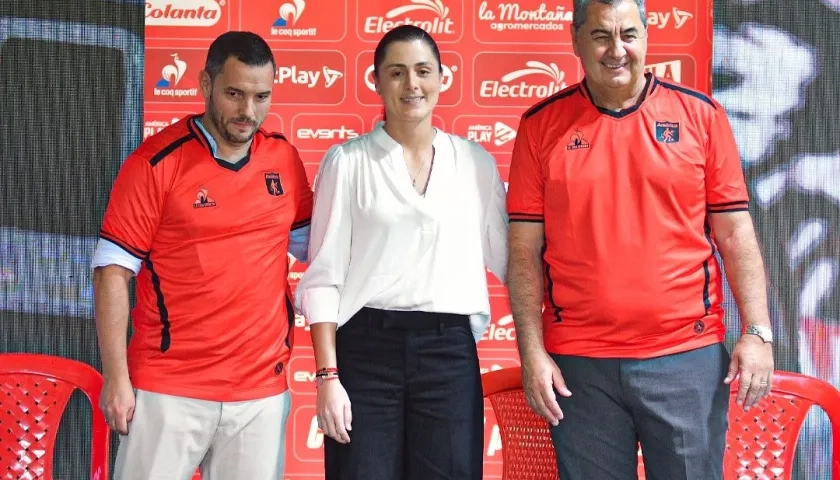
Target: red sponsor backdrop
[(499, 57)]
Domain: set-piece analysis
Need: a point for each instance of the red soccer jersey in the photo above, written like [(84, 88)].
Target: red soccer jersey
[(213, 318), (629, 264)]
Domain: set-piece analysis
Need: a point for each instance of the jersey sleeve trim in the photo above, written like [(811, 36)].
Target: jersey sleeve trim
[(739, 206), (526, 217), (689, 92), (135, 252), (167, 150)]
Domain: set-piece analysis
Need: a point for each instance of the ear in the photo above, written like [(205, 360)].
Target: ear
[(376, 84), (575, 34), (206, 84)]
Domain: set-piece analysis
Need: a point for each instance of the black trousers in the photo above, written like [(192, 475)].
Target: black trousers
[(415, 392)]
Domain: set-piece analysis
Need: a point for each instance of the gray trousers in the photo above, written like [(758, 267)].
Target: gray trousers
[(676, 406)]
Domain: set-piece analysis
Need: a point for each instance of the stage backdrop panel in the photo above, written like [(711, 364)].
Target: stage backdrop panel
[(498, 57)]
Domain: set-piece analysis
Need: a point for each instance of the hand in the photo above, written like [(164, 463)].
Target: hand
[(334, 414), (540, 378), (752, 361), (117, 402)]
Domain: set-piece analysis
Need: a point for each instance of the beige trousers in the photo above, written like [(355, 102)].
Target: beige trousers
[(170, 437)]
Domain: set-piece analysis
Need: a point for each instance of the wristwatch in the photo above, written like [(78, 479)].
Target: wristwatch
[(764, 333)]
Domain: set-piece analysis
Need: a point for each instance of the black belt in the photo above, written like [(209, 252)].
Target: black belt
[(410, 320)]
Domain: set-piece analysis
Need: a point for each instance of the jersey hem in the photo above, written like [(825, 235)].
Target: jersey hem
[(212, 395), (593, 350)]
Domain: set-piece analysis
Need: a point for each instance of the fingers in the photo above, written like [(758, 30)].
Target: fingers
[(116, 419), (348, 417), (549, 398), (558, 385), (743, 388), (754, 393), (541, 398), (333, 424), (535, 400), (560, 382), (733, 370)]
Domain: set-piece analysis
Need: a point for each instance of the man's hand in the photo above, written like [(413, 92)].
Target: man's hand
[(117, 402), (540, 378), (752, 361)]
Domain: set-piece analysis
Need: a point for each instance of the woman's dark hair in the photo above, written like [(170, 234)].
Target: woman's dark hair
[(249, 48), (403, 33)]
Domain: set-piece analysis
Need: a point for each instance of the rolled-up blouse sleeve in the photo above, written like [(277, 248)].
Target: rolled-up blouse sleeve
[(495, 220), (318, 293)]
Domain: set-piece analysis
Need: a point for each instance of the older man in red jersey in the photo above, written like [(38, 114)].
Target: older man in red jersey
[(622, 190)]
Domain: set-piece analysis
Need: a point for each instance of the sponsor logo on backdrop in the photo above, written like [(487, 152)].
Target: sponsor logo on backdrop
[(292, 74), (673, 26), (309, 78), (154, 122), (668, 70), (523, 16), (172, 75), (437, 17), (521, 80), (501, 328), (674, 68), (675, 18), (451, 90), (183, 13), (319, 132), (495, 134), (286, 23)]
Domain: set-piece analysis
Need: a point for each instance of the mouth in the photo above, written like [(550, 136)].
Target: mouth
[(243, 125), (412, 100), (614, 66)]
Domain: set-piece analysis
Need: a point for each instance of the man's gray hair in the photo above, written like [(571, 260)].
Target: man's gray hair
[(581, 6)]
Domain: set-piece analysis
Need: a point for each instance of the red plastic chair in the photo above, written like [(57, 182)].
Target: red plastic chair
[(34, 391), (760, 444)]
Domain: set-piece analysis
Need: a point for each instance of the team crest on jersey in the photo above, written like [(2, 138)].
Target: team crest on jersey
[(576, 142), (273, 185), (668, 132)]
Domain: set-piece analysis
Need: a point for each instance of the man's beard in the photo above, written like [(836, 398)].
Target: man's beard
[(222, 126)]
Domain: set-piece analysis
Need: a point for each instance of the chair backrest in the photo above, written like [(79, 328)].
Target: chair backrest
[(760, 443), (34, 391)]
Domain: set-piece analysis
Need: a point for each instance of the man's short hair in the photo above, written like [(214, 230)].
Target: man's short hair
[(247, 47), (581, 7)]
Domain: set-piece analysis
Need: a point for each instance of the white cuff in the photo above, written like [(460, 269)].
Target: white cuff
[(109, 253)]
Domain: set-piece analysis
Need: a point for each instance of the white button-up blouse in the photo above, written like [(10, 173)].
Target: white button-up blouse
[(376, 242)]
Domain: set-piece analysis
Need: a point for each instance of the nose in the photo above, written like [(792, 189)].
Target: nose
[(617, 48), (248, 108), (412, 81)]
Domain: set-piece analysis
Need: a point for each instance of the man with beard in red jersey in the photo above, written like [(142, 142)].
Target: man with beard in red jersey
[(204, 213)]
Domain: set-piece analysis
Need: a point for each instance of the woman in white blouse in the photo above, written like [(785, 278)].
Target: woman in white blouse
[(405, 222)]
